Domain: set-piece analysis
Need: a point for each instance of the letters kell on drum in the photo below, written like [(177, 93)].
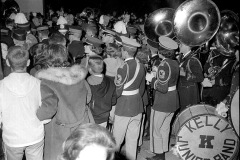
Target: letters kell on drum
[(206, 137)]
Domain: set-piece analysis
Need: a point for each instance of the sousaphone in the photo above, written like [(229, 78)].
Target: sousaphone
[(159, 23), (196, 22)]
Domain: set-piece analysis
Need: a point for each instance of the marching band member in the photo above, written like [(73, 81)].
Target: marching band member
[(217, 71), (153, 60), (130, 82), (191, 74), (166, 98)]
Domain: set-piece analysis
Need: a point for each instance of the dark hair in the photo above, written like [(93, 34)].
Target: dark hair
[(57, 38), (37, 51), (86, 135), (17, 57), (57, 55)]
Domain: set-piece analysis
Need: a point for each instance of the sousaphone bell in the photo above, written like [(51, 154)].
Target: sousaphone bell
[(196, 22), (159, 23)]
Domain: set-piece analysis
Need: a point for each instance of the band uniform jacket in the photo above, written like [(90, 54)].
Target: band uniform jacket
[(188, 88), (76, 49), (130, 105), (169, 101)]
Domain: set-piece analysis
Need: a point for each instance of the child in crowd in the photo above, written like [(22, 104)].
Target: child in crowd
[(20, 97), (103, 91), (89, 142)]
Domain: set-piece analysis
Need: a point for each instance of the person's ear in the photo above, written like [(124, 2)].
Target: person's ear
[(28, 62), (8, 63)]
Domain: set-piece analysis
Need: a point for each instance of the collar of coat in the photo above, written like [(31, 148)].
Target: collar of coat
[(68, 76)]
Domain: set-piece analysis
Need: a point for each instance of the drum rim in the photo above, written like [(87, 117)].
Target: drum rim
[(229, 114)]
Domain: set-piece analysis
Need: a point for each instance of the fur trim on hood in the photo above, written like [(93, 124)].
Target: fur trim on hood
[(68, 76)]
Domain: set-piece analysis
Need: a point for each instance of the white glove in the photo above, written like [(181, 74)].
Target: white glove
[(206, 83), (149, 76), (221, 109), (46, 121)]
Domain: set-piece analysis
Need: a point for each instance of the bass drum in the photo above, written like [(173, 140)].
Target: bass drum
[(234, 112), (202, 134)]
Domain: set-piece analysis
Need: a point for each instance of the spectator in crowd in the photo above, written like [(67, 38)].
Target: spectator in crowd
[(89, 142), (103, 91), (20, 98), (65, 95)]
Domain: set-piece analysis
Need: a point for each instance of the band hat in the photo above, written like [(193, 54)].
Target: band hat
[(63, 28), (132, 29), (118, 39), (61, 20), (34, 14), (109, 31), (4, 31), (167, 43), (20, 18), (75, 29), (93, 41), (42, 28), (19, 34), (152, 44), (130, 43), (24, 26)]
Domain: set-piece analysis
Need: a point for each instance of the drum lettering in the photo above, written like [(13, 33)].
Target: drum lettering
[(217, 157), (197, 123), (226, 128), (182, 149), (187, 154), (206, 139), (227, 145), (215, 126), (207, 124), (230, 142), (225, 156), (178, 139), (189, 127)]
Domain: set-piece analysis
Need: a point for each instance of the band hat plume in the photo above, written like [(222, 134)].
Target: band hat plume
[(20, 18), (61, 20), (167, 43)]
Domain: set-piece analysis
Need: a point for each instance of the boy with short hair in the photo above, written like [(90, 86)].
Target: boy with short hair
[(20, 97), (103, 91)]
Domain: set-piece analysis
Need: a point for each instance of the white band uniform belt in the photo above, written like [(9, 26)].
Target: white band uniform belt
[(133, 92), (173, 88)]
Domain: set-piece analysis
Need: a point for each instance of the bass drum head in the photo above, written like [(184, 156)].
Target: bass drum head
[(205, 135), (234, 112)]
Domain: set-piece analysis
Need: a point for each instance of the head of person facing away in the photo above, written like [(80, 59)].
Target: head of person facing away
[(18, 59), (89, 142)]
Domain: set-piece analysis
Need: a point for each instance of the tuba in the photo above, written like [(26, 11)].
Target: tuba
[(159, 23), (227, 37), (196, 22)]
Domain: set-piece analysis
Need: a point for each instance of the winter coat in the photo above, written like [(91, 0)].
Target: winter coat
[(65, 95)]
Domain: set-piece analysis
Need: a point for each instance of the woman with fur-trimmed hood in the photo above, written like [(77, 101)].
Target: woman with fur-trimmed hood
[(69, 109)]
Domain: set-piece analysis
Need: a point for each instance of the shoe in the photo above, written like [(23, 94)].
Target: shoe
[(146, 137), (157, 157), (138, 149)]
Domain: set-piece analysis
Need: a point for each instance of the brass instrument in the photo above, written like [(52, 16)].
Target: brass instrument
[(159, 23), (227, 37), (196, 22)]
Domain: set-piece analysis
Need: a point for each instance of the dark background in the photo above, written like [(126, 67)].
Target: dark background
[(139, 7)]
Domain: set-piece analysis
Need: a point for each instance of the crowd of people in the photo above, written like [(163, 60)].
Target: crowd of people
[(77, 87)]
